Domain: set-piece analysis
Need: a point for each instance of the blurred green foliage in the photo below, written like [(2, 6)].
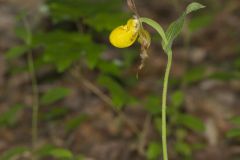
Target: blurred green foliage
[(11, 116), (180, 125), (100, 15), (75, 122), (53, 95), (73, 40), (234, 132), (49, 151), (154, 150), (14, 152), (63, 47)]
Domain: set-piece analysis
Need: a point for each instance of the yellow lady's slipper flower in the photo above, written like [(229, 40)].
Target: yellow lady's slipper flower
[(125, 35)]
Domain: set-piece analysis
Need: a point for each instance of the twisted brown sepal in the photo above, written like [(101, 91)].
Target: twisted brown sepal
[(132, 6), (144, 37), (145, 41)]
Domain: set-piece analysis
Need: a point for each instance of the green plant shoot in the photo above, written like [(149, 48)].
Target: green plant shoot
[(125, 35)]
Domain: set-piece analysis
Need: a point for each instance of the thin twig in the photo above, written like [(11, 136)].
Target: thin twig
[(35, 90), (144, 135), (94, 89)]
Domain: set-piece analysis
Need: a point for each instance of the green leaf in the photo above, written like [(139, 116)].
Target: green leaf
[(54, 95), (22, 33), (45, 150), (118, 94), (225, 75), (10, 116), (233, 133), (153, 105), (15, 151), (156, 26), (173, 31), (55, 112), (237, 62), (107, 67), (74, 122), (177, 98), (158, 124), (101, 15), (106, 21), (154, 150), (61, 153), (16, 52), (175, 28), (63, 48), (191, 122), (235, 120), (194, 75), (183, 148), (194, 6), (181, 134), (92, 54)]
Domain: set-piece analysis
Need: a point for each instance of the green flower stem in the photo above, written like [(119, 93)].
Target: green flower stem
[(164, 106), (161, 32)]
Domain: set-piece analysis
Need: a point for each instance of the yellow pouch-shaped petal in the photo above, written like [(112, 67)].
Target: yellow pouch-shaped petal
[(125, 36)]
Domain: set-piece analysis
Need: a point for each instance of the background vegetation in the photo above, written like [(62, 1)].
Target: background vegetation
[(91, 104)]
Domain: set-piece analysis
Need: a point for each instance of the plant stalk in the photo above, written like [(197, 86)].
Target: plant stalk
[(164, 106), (35, 90), (161, 32), (35, 101)]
